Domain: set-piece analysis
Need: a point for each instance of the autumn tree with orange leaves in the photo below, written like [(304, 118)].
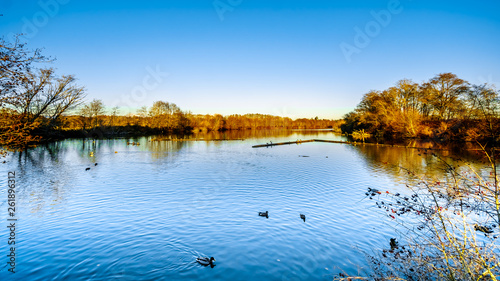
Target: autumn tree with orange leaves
[(445, 107)]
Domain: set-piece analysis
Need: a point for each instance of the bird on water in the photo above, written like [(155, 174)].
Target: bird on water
[(303, 217), (393, 243), (206, 261), (264, 214)]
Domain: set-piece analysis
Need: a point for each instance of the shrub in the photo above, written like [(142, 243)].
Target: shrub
[(448, 227)]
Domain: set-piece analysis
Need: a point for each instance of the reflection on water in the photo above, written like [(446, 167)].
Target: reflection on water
[(429, 163), (264, 134), (146, 212)]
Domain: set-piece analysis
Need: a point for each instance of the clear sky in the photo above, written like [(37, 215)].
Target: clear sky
[(296, 58)]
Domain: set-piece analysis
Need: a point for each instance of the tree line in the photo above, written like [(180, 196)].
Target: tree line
[(165, 117), (36, 104), (445, 107)]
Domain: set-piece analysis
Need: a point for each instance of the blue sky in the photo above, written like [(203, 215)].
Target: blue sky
[(251, 56)]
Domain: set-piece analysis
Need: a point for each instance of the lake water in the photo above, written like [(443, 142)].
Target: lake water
[(146, 212)]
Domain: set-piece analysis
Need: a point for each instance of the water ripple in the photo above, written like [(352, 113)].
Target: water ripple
[(147, 212)]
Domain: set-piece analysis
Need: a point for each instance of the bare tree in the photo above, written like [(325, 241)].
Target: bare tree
[(142, 112), (15, 68), (114, 114), (31, 98), (45, 97), (92, 111)]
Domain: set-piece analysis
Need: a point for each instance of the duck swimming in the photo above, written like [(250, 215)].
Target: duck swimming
[(206, 261), (393, 243), (303, 217), (264, 214)]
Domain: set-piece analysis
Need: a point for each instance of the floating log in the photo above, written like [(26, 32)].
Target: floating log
[(345, 142), (197, 139), (282, 143)]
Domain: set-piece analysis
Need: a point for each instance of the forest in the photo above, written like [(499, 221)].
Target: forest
[(36, 105), (444, 108), (164, 117)]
